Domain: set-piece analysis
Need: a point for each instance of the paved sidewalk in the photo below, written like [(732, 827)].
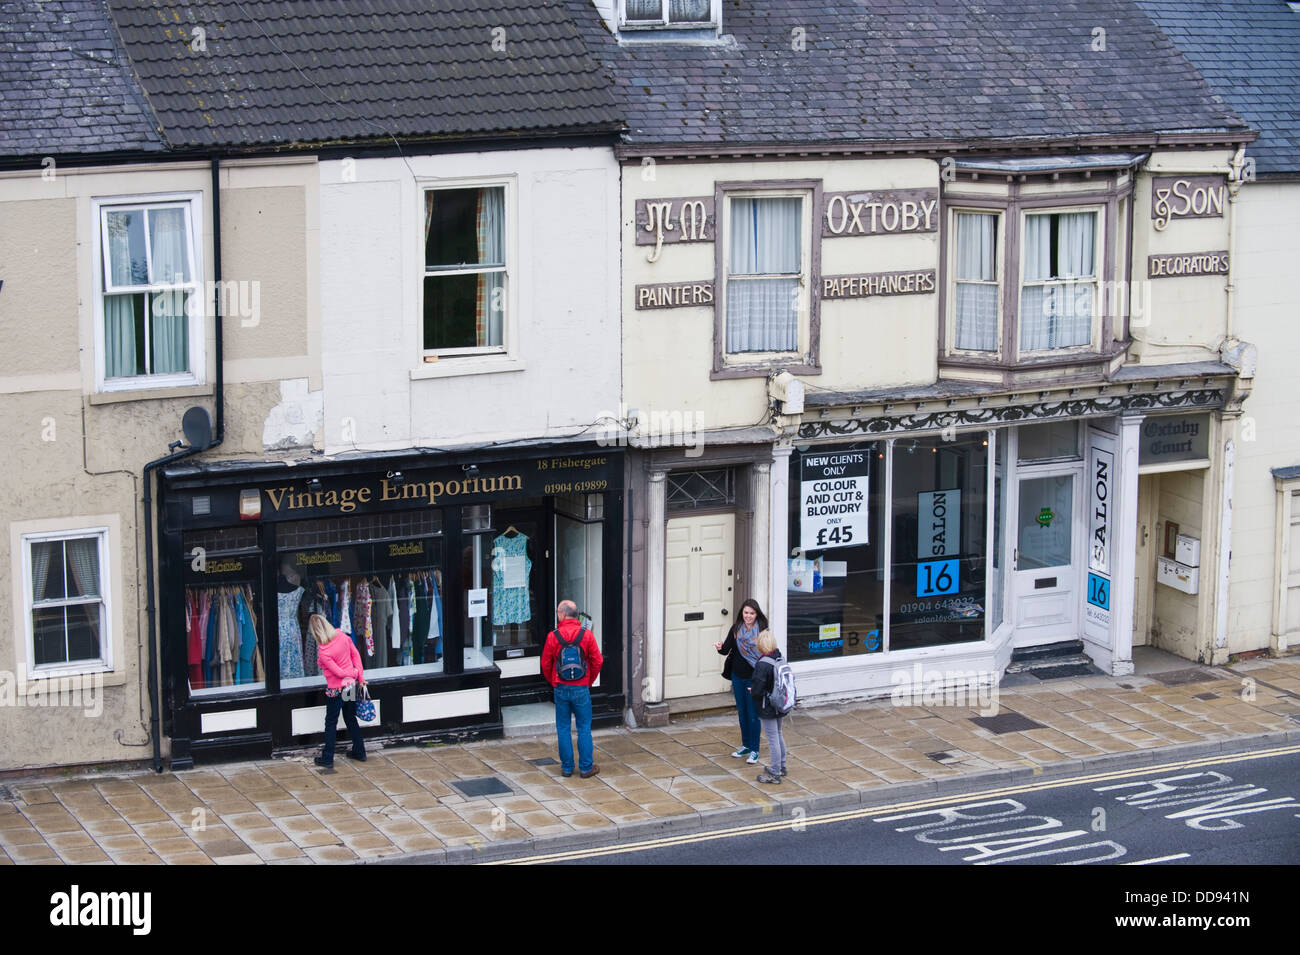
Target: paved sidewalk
[(402, 804)]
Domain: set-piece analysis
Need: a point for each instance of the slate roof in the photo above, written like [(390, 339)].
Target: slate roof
[(879, 71), (275, 72), (64, 85), (1249, 52)]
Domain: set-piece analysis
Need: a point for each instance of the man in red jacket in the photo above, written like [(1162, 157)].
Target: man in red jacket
[(571, 662)]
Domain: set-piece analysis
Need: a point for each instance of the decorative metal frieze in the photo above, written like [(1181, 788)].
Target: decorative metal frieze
[(989, 416)]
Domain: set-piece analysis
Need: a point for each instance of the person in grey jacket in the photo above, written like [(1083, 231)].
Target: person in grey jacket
[(762, 685)]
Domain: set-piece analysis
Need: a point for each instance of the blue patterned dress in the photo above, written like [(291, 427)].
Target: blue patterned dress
[(290, 635), (510, 604)]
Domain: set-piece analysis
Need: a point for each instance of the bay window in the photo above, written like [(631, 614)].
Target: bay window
[(1058, 287)]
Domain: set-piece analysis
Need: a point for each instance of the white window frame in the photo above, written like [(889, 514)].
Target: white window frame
[(1098, 260), (999, 273), (509, 321), (664, 23), (803, 338), (1014, 215), (196, 309), (104, 662)]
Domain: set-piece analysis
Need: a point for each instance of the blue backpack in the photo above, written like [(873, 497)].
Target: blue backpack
[(572, 665)]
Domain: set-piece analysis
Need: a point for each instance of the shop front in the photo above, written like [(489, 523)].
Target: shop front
[(926, 540), (443, 570)]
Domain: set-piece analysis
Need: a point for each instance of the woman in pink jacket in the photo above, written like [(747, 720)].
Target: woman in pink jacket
[(341, 664)]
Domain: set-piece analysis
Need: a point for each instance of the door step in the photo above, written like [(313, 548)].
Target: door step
[(1053, 661)]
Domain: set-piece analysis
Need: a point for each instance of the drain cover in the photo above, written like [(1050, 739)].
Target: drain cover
[(545, 761), (1181, 677), (944, 757), (1207, 696), (487, 786), (1006, 723)]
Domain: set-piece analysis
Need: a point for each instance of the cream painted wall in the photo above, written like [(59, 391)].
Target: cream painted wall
[(1267, 314), (1186, 317), (74, 457), (562, 323), (865, 343)]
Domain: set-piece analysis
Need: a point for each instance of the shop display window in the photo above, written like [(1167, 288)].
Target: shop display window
[(843, 563), (836, 575), (377, 578), (939, 517), (225, 648)]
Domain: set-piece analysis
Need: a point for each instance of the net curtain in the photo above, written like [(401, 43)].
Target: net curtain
[(762, 313)]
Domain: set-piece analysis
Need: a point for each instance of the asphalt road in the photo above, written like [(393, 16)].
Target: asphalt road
[(1237, 809)]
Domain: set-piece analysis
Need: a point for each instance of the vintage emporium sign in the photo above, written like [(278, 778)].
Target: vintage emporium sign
[(298, 497), (833, 499), (879, 212), (675, 294), (1179, 264), (660, 221), (919, 282), (1186, 197)]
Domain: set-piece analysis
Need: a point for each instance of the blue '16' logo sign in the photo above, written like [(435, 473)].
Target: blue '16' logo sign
[(937, 577)]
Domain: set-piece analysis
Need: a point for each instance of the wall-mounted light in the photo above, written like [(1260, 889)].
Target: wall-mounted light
[(315, 486), (396, 477), (471, 470)]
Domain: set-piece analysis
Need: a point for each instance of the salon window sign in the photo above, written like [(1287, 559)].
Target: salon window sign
[(1186, 197), (879, 212), (1102, 477), (1169, 439), (833, 499)]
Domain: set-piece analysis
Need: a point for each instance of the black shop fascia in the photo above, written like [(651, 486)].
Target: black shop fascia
[(443, 569)]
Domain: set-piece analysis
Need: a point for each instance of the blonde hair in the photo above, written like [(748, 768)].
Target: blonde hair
[(321, 629), (766, 642)]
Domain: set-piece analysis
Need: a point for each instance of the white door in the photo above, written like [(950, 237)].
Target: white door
[(698, 602), (1144, 596), (1046, 557)]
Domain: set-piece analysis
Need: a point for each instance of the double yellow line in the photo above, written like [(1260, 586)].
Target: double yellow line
[(822, 819)]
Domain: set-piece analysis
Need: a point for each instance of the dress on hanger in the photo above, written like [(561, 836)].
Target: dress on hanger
[(291, 666), (510, 604)]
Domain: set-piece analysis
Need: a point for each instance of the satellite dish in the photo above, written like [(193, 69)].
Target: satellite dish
[(197, 427)]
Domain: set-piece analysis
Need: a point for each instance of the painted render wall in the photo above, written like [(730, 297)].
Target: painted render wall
[(562, 323), (1186, 320), (75, 457), (865, 342), (1267, 308)]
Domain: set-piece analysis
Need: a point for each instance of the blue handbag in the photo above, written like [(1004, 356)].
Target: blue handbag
[(365, 705)]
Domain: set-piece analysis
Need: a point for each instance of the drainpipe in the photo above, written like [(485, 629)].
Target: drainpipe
[(151, 629)]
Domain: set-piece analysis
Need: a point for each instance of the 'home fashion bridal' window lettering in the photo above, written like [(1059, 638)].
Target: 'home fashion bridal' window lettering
[(151, 290), (766, 274), (465, 272), (67, 598)]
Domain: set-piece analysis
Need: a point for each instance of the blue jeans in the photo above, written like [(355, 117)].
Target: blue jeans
[(574, 702), (750, 727), (349, 707)]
